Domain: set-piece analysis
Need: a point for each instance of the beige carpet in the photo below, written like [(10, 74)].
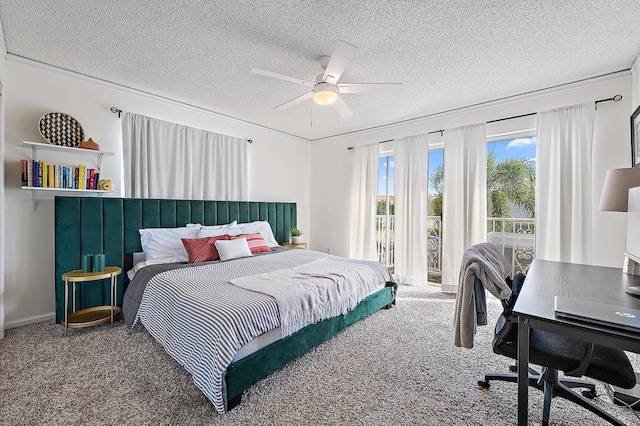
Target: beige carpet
[(398, 366)]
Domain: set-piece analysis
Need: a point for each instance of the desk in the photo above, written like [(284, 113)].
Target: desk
[(535, 309)]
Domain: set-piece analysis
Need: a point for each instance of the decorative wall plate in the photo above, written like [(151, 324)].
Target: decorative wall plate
[(61, 129)]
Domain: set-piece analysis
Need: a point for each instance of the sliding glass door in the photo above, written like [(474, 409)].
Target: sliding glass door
[(385, 223), (511, 199), (385, 212)]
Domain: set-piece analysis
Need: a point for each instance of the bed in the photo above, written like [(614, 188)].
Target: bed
[(110, 225)]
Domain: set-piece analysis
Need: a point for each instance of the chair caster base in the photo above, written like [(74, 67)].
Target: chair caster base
[(484, 384)]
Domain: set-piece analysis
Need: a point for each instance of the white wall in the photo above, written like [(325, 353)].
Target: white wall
[(331, 162), (635, 94), (3, 55), (278, 167)]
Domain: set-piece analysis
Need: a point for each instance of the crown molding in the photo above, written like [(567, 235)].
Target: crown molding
[(482, 105), (147, 95)]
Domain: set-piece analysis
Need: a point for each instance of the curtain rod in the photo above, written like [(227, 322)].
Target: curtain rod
[(616, 98), (351, 148), (119, 112)]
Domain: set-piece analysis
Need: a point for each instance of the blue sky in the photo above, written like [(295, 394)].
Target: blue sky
[(520, 147)]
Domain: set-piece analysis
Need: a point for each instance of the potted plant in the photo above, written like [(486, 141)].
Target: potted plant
[(295, 236)]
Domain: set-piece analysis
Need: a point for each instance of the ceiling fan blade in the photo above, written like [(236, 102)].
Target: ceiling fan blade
[(341, 108), (283, 77), (341, 56), (295, 101), (369, 87)]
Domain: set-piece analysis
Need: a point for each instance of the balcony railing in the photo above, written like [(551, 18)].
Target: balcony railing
[(514, 236)]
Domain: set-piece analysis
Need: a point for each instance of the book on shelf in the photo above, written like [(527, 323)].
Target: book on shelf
[(23, 172), (29, 173), (51, 175), (40, 174)]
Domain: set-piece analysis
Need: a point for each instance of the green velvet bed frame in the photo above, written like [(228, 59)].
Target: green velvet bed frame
[(86, 225), (94, 225), (249, 370)]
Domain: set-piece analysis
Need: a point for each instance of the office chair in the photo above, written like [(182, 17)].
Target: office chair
[(554, 352)]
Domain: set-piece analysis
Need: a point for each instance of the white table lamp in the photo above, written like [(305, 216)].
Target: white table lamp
[(615, 198)]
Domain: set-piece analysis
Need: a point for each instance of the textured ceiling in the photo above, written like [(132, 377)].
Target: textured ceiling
[(447, 54)]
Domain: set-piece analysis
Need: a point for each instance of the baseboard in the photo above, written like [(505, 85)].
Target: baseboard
[(449, 288), (29, 320)]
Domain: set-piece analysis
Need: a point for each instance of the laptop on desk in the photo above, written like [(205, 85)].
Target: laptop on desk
[(619, 317)]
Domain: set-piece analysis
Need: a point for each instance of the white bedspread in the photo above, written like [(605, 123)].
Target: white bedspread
[(314, 291)]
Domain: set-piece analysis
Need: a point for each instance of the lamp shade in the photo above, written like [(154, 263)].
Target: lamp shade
[(325, 93), (615, 194), (325, 97)]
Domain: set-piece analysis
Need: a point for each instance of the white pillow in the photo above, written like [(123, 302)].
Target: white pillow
[(139, 265), (214, 231), (226, 225), (260, 226), (132, 272), (165, 243), (233, 249), (199, 226)]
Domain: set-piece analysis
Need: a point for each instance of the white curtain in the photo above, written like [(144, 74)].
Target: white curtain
[(563, 184), (2, 212), (364, 194), (411, 179), (464, 199), (168, 160)]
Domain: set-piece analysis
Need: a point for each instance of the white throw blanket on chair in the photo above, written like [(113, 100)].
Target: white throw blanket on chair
[(486, 262)]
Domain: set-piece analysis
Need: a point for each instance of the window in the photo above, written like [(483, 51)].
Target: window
[(385, 223), (511, 154), (511, 198), (434, 220), (385, 212)]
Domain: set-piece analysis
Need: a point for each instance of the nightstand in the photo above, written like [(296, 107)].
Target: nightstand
[(97, 314), (299, 245)]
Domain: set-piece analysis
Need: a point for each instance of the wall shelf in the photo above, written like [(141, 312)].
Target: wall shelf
[(35, 146), (40, 146), (91, 191)]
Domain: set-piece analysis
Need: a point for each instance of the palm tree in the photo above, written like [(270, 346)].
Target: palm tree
[(514, 177), (508, 181)]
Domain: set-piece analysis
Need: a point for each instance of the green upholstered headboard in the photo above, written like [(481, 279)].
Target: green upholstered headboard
[(86, 225)]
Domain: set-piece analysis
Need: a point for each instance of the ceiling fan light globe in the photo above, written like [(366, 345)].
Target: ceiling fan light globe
[(325, 97)]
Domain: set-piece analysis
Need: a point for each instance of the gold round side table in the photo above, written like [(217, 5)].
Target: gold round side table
[(298, 245), (97, 314)]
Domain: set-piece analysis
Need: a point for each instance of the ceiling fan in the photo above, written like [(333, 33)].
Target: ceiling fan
[(326, 90)]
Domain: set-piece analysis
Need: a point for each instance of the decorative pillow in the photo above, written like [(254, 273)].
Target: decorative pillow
[(256, 243), (233, 249), (202, 249), (165, 244), (261, 226)]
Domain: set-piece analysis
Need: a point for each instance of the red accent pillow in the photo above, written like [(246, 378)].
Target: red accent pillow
[(202, 249), (256, 242)]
